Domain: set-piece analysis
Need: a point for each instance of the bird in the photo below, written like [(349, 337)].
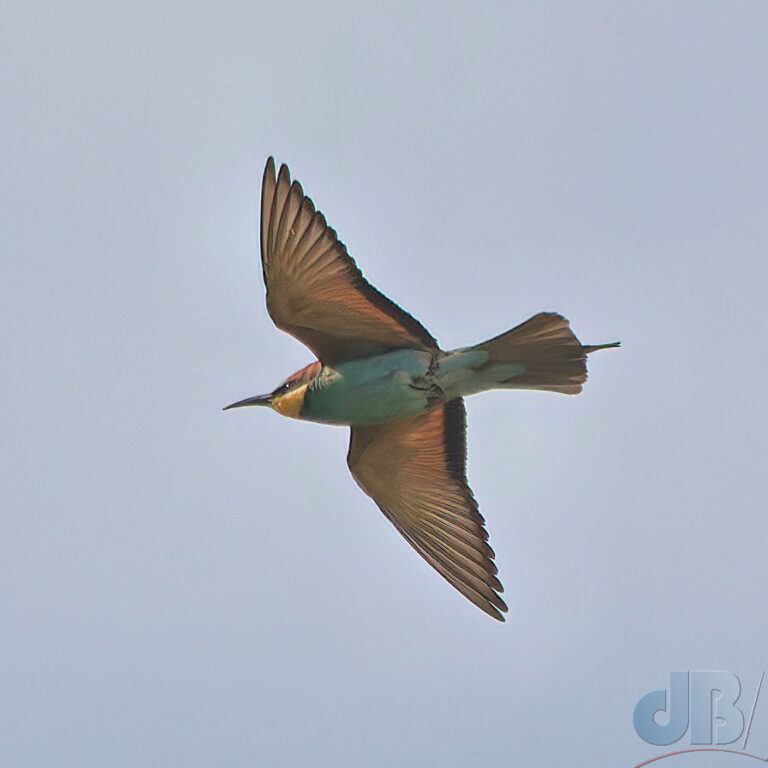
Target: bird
[(382, 374)]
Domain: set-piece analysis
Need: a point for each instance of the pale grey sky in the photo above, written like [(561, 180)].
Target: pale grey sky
[(185, 587)]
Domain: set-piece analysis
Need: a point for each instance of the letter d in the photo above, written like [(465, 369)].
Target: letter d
[(656, 701)]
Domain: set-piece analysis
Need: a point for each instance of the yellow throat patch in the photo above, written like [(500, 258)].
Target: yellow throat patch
[(291, 402)]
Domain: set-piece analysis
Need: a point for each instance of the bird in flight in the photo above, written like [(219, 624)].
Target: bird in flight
[(380, 372)]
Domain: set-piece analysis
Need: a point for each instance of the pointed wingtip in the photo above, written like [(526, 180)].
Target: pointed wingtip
[(269, 171), (284, 175), (495, 608), (498, 615)]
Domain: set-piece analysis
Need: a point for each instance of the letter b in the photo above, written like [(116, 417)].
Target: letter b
[(706, 709)]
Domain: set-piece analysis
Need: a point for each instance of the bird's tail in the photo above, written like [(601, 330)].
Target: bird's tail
[(541, 353)]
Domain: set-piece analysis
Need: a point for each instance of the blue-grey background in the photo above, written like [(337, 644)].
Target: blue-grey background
[(185, 587)]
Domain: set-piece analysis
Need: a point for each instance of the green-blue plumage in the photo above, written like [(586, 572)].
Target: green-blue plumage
[(400, 383), (369, 391)]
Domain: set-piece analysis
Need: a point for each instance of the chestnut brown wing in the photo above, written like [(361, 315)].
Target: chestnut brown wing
[(315, 291), (414, 469)]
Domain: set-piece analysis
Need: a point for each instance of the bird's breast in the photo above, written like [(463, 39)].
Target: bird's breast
[(372, 390)]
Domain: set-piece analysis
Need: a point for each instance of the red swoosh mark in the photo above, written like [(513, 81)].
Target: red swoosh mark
[(702, 749)]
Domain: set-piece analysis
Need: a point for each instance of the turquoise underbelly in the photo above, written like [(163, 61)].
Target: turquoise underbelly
[(373, 390)]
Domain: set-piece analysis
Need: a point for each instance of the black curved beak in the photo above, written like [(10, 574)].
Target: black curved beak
[(258, 400)]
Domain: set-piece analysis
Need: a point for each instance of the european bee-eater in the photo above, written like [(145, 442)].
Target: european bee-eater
[(379, 371)]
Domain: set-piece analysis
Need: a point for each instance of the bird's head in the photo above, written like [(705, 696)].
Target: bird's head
[(288, 398)]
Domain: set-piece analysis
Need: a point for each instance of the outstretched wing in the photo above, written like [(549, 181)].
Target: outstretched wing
[(414, 469), (314, 290)]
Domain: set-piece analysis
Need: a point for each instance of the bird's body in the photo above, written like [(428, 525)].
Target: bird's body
[(396, 384), (381, 372)]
